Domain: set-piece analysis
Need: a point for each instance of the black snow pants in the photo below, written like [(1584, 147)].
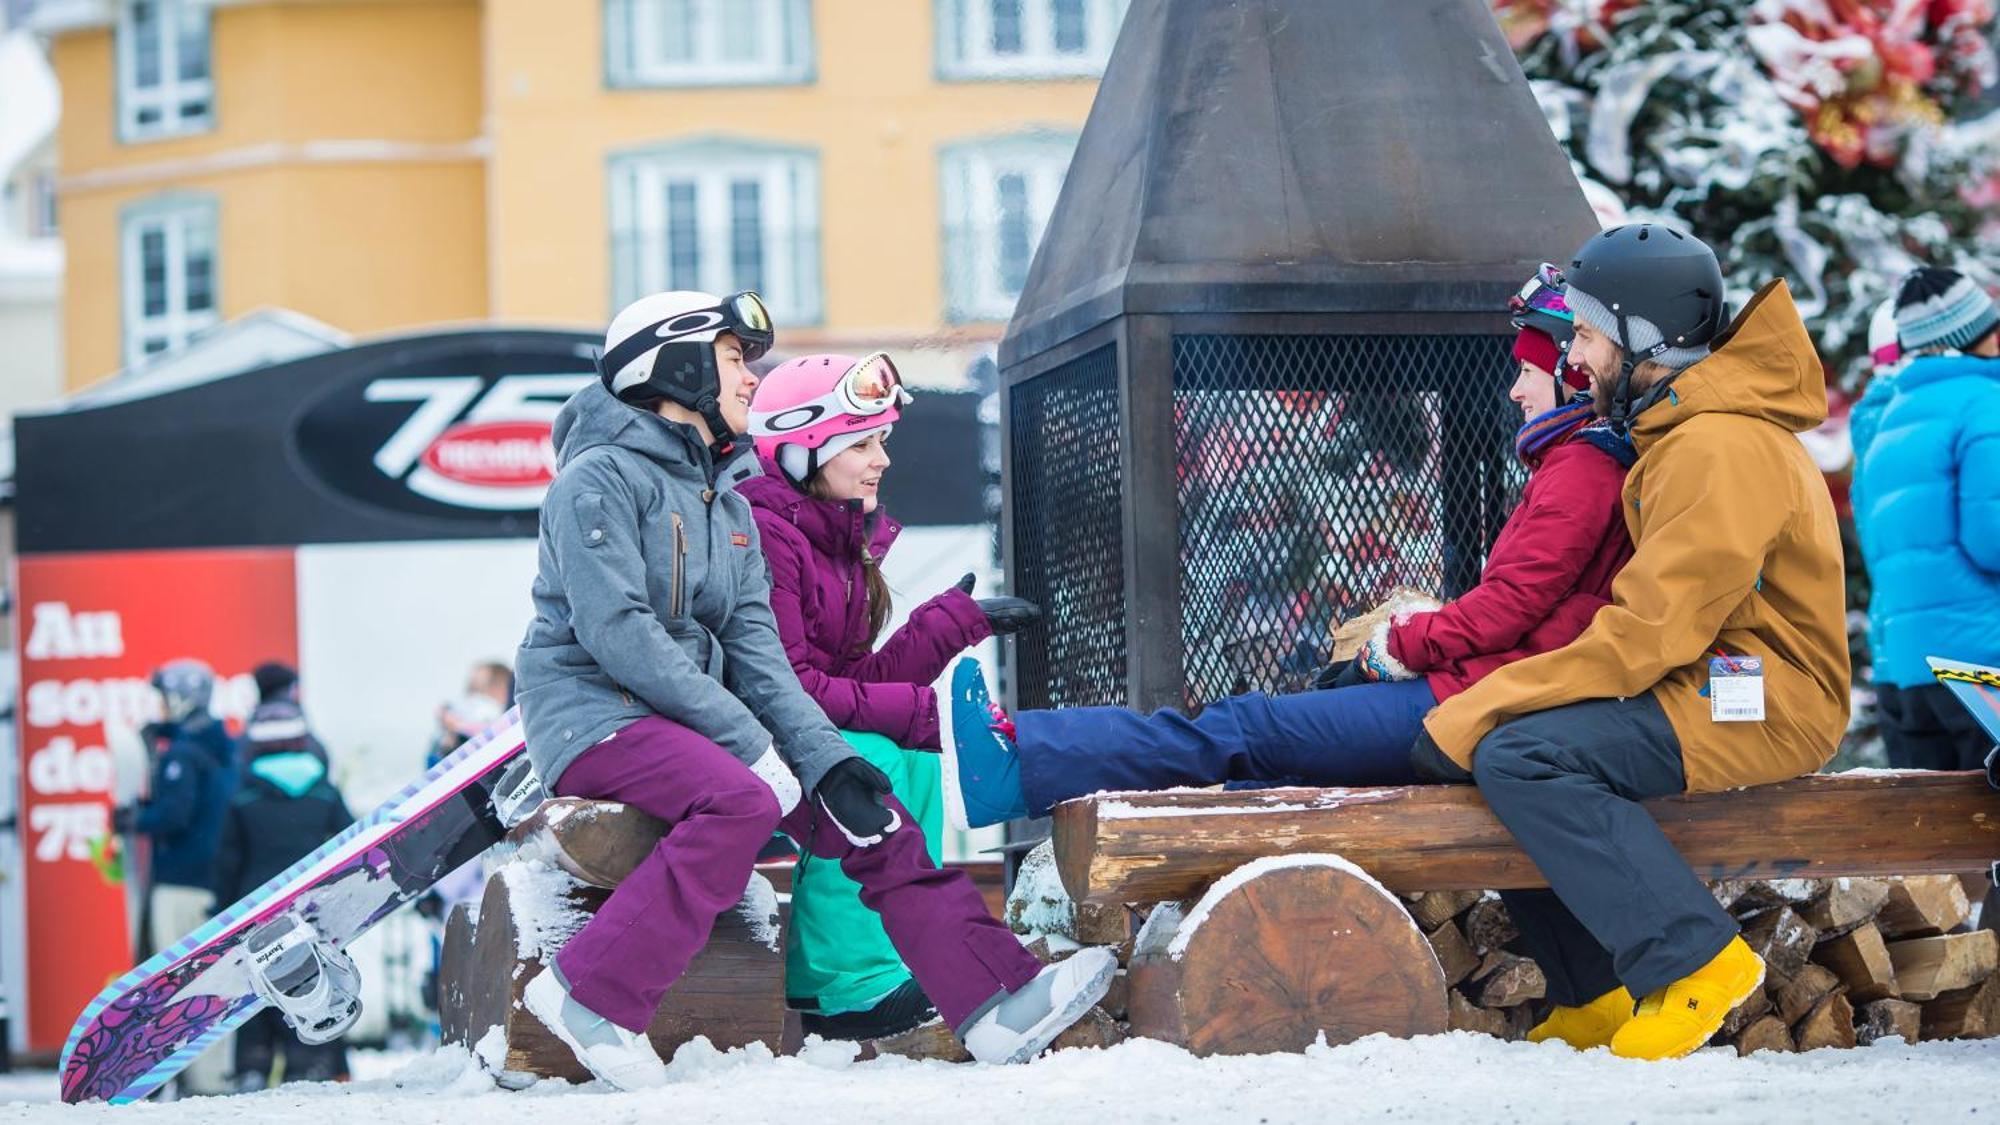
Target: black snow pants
[(1622, 906), (265, 1035), (1927, 728)]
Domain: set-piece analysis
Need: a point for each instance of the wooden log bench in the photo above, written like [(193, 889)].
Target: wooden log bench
[(559, 867), (1279, 919)]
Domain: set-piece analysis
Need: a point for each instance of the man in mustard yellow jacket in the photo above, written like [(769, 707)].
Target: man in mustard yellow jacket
[(1720, 662)]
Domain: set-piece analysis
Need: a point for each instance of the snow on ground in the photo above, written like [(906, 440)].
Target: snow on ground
[(1456, 1077)]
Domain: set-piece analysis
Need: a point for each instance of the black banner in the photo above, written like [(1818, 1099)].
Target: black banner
[(432, 437)]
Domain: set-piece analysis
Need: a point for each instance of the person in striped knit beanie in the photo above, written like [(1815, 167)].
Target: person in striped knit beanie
[(1927, 513), (1941, 310)]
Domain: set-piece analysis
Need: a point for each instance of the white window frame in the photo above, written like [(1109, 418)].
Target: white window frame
[(44, 218), (788, 213), (965, 41), (969, 175), (177, 218), (172, 93), (632, 41)]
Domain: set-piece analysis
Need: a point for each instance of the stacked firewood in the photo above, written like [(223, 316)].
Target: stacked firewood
[(1491, 987), (1849, 961)]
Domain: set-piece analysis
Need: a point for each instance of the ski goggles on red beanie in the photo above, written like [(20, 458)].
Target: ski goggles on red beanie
[(1541, 297)]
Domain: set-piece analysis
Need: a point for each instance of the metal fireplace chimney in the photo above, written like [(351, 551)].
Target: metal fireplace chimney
[(1257, 375)]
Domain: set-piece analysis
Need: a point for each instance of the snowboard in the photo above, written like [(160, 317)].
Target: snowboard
[(1976, 686), (151, 1023)]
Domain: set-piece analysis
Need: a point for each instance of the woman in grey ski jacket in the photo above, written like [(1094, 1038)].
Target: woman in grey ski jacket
[(653, 674)]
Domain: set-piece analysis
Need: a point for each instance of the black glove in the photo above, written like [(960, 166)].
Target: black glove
[(1347, 673), (1430, 763), (1009, 615), (965, 583), (124, 818), (851, 795)]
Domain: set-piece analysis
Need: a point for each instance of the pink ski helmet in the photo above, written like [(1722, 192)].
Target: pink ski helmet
[(811, 408)]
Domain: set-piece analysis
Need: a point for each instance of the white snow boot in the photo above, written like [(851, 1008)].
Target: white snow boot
[(1028, 1020), (623, 1058)]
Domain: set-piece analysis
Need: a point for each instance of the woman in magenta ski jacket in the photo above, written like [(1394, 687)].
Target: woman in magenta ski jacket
[(831, 603), (1548, 573), (824, 536)]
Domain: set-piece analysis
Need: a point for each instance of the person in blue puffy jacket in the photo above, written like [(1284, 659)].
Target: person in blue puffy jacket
[(1927, 509)]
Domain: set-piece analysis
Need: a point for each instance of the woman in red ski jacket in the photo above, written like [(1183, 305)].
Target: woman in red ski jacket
[(1546, 576)]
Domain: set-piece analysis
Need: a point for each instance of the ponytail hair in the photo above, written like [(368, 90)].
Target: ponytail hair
[(880, 606)]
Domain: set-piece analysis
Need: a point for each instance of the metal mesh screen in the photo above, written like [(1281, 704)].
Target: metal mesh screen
[(1314, 473), (1068, 542)]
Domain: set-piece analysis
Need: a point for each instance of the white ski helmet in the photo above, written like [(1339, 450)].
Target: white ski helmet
[(1885, 351), (662, 347), (185, 686)]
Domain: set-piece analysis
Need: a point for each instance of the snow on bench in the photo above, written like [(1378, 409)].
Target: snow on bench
[(1156, 847)]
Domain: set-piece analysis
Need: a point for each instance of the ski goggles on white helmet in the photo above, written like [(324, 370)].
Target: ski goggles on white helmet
[(743, 315), (749, 321)]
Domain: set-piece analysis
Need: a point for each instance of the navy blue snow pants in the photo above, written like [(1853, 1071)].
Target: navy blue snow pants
[(1358, 735)]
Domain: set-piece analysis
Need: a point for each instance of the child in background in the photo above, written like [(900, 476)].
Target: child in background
[(284, 809)]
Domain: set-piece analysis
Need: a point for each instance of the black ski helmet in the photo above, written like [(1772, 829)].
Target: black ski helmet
[(1650, 272), (662, 346)]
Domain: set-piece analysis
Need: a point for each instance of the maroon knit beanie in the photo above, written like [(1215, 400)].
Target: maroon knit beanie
[(1539, 348)]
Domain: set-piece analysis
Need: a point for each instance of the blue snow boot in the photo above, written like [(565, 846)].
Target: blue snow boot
[(982, 772)]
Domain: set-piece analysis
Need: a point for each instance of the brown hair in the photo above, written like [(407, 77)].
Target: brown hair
[(874, 587)]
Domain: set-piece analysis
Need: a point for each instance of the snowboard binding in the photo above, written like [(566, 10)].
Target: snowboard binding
[(313, 985), (518, 792)]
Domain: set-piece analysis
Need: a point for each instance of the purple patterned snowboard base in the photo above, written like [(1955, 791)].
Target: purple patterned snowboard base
[(152, 1022)]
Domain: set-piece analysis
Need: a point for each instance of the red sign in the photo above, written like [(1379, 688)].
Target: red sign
[(92, 630), (495, 454)]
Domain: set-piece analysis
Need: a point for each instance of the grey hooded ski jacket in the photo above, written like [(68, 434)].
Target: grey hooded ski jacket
[(652, 598)]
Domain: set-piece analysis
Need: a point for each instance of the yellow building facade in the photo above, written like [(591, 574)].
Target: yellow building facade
[(879, 169)]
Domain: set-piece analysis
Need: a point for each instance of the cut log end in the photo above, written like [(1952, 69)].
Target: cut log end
[(1282, 952), (1768, 1033), (1928, 967), (1924, 906), (1861, 961), (1829, 1024), (1883, 1019), (1966, 1013), (1075, 833), (596, 842)]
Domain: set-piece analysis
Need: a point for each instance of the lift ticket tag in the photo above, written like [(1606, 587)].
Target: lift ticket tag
[(1736, 689)]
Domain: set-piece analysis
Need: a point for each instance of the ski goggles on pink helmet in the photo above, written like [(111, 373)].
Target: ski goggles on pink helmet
[(809, 409)]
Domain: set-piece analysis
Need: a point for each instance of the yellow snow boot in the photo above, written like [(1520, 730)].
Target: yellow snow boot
[(1591, 1025), (1679, 1018)]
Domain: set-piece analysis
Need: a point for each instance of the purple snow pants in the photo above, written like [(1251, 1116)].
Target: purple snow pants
[(622, 962)]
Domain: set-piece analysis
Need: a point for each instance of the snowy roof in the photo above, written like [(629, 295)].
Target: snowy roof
[(32, 100), (36, 263), (59, 17), (256, 339)]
